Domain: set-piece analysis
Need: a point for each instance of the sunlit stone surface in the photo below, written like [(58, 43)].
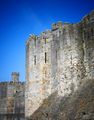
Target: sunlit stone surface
[(59, 60)]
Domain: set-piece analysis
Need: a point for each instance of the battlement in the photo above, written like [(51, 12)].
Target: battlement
[(46, 32), (89, 18), (57, 25), (32, 37), (3, 83)]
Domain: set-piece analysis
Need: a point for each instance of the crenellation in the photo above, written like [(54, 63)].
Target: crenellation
[(57, 25)]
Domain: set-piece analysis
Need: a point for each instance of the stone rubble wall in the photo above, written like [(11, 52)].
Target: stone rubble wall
[(12, 94), (69, 52)]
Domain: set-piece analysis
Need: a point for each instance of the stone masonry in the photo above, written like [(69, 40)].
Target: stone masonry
[(59, 60), (12, 103)]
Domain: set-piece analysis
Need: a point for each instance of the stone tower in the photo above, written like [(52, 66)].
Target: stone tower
[(58, 61), (15, 76)]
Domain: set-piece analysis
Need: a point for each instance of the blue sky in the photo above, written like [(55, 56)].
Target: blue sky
[(19, 18)]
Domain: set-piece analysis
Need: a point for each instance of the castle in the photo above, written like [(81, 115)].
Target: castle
[(12, 103), (58, 60)]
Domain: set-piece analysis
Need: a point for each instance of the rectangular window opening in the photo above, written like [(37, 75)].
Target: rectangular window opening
[(35, 42), (45, 57), (35, 60)]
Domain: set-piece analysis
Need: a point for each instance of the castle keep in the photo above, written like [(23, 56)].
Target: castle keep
[(58, 60)]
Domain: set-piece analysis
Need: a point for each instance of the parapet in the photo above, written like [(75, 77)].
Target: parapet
[(57, 25), (45, 34), (31, 37), (3, 83), (92, 16), (89, 18)]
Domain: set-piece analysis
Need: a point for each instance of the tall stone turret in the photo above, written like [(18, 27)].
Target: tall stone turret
[(15, 76), (58, 61)]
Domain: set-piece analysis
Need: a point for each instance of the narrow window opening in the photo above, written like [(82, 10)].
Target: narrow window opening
[(84, 113), (92, 32), (45, 40), (45, 57), (35, 42), (35, 60), (56, 54)]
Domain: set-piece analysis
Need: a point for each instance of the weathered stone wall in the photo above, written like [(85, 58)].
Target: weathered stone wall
[(12, 99), (87, 26), (38, 70), (70, 64), (59, 61), (3, 97), (20, 99)]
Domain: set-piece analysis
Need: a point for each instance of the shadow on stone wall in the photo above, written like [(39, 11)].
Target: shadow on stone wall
[(77, 106), (12, 116)]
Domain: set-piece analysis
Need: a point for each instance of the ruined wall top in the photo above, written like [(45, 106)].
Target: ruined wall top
[(31, 37), (89, 18), (57, 25)]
